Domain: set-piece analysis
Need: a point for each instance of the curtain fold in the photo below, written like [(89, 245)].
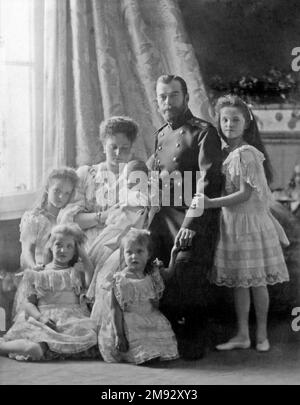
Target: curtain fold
[(102, 58)]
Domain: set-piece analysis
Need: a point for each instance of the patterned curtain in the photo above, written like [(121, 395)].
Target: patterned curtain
[(102, 58)]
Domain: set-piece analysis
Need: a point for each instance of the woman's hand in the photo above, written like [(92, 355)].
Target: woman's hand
[(121, 343)]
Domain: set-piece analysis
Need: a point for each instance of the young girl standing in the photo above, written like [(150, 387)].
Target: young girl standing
[(57, 324), (134, 330), (36, 224), (248, 254)]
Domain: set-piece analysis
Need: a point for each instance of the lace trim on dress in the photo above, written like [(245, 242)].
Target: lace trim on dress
[(232, 282), (32, 223), (39, 282), (129, 291), (247, 162)]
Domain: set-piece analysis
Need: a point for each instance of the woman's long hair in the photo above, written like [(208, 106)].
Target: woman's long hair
[(251, 133)]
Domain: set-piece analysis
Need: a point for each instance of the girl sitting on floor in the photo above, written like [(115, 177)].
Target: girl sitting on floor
[(57, 325)]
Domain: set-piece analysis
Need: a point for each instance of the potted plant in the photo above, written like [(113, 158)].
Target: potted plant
[(273, 97)]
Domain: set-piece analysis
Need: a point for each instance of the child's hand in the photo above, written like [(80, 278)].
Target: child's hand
[(121, 343), (201, 199), (158, 264), (175, 250), (197, 200)]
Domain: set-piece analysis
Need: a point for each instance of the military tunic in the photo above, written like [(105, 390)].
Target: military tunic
[(189, 145)]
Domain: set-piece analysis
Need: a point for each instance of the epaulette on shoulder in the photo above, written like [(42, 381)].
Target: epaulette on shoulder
[(198, 122), (159, 129)]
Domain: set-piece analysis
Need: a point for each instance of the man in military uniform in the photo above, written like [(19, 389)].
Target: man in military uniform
[(185, 144)]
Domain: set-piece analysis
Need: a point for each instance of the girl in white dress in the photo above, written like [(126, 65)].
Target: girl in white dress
[(37, 223), (248, 254), (57, 324), (134, 330)]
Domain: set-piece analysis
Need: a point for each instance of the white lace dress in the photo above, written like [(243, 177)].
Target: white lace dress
[(148, 332), (58, 294), (249, 253), (35, 228)]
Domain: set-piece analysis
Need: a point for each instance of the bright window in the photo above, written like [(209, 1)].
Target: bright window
[(20, 94)]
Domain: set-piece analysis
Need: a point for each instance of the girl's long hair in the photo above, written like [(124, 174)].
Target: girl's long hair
[(63, 173), (251, 133)]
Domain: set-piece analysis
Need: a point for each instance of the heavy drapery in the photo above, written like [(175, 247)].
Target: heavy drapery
[(102, 58)]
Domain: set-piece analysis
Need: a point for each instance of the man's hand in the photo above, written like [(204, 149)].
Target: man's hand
[(184, 238)]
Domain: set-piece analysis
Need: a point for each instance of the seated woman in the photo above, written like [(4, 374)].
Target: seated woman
[(133, 210), (98, 184)]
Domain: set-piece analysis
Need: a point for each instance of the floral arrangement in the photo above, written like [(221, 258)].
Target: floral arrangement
[(273, 87)]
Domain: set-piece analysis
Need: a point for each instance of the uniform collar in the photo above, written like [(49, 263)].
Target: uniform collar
[(181, 120)]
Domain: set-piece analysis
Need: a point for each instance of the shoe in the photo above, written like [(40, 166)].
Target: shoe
[(234, 345), (263, 346)]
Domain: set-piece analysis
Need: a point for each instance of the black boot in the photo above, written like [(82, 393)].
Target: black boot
[(192, 341)]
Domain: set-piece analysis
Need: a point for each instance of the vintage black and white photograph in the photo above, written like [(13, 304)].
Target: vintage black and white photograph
[(149, 195)]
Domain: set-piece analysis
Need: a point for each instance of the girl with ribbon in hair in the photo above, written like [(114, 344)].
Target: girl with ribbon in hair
[(134, 330), (248, 254), (57, 324)]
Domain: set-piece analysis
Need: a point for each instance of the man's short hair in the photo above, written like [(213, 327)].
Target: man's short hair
[(166, 79)]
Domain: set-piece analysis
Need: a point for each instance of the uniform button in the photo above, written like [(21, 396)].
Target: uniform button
[(158, 161), (174, 159), (177, 145), (160, 148), (162, 134), (181, 132)]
